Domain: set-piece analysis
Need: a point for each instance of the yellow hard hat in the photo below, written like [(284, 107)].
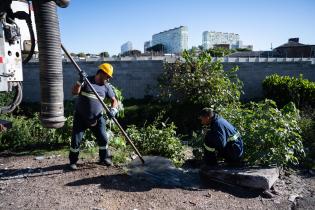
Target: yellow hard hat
[(107, 68)]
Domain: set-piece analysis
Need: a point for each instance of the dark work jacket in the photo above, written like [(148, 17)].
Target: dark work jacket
[(217, 138)]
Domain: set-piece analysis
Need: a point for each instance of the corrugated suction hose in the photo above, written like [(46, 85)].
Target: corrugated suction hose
[(50, 62)]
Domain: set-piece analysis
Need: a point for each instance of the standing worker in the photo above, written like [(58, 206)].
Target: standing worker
[(222, 140), (89, 113)]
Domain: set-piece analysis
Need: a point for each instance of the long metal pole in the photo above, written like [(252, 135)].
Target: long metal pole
[(102, 102)]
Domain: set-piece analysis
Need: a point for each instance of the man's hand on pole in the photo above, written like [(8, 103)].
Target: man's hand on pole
[(112, 112)]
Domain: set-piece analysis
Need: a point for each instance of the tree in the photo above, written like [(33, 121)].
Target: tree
[(135, 53), (193, 48), (219, 52), (81, 55), (200, 81), (243, 49), (200, 47), (104, 54)]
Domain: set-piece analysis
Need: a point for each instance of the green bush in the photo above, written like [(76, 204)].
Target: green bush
[(219, 52), (120, 98), (271, 136), (198, 80), (6, 98), (284, 89), (197, 143), (28, 132), (158, 139), (307, 124)]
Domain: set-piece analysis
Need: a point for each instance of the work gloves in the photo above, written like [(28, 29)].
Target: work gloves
[(112, 112), (83, 75)]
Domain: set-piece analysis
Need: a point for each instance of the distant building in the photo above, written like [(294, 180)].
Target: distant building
[(146, 45), (212, 39), (174, 40), (126, 47), (294, 49)]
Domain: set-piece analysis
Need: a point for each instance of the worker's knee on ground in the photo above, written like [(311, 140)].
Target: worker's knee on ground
[(210, 158), (234, 154)]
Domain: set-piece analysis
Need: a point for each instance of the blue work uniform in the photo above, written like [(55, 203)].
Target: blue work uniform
[(222, 140), (89, 114)]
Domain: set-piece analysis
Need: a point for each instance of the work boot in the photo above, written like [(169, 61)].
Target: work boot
[(107, 162), (73, 166), (105, 158)]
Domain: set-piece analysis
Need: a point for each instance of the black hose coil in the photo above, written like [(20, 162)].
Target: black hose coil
[(50, 61)]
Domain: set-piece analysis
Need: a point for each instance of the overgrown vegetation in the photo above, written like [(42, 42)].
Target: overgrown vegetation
[(271, 135), (29, 133), (307, 125), (198, 80), (284, 89), (159, 139), (219, 52), (155, 138)]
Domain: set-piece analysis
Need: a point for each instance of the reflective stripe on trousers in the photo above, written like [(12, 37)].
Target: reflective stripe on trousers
[(210, 149), (74, 150), (103, 147)]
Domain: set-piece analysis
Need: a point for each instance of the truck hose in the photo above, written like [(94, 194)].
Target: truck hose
[(16, 100), (50, 62)]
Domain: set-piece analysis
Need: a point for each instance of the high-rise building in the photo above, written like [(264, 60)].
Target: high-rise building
[(126, 47), (212, 38), (146, 45), (174, 40)]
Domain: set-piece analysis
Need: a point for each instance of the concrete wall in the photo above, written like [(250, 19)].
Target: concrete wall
[(137, 78), (252, 74)]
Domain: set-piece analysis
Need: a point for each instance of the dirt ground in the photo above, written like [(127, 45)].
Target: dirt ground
[(29, 182)]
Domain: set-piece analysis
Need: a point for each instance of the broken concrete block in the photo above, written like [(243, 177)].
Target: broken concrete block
[(258, 178)]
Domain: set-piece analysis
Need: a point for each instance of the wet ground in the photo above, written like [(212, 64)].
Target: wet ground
[(46, 183)]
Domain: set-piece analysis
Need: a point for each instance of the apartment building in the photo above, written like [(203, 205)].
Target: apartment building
[(173, 40)]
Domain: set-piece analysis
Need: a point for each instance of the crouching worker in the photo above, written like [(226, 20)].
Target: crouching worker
[(89, 114), (222, 140)]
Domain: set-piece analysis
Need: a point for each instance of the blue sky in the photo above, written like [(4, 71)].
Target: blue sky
[(104, 25)]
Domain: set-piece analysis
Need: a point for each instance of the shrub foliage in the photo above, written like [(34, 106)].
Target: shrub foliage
[(284, 89), (158, 139), (198, 80), (271, 136), (28, 132)]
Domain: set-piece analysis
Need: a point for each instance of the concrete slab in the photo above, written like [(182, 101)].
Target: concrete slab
[(257, 178)]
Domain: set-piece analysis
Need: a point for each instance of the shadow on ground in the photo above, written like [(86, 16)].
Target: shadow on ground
[(18, 173), (126, 183)]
